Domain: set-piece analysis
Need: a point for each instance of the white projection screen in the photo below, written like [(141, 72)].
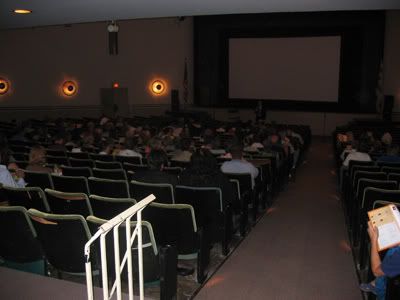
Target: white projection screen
[(287, 68)]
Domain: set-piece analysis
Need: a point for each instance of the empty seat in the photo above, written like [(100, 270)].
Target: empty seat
[(68, 203), (77, 171), (75, 162), (108, 164), (28, 197), (164, 192), (38, 179), (70, 184), (107, 207), (109, 187)]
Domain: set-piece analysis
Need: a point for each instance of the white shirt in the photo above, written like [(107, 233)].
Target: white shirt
[(129, 152), (359, 156), (7, 180), (240, 166)]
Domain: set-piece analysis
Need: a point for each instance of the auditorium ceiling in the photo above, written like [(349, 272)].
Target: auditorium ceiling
[(58, 12)]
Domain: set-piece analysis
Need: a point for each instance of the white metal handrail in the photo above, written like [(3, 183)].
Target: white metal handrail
[(104, 229)]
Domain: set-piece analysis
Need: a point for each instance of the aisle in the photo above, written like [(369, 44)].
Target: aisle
[(299, 249)]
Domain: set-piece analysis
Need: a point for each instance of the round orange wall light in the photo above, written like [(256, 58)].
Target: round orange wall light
[(4, 86), (69, 88), (158, 87)]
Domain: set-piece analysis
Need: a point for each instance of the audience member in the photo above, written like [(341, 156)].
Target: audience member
[(37, 160), (238, 164), (389, 267), (156, 162), (391, 156), (10, 174), (203, 171)]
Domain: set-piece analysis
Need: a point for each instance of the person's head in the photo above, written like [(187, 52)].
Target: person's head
[(237, 151), (157, 159), (37, 155)]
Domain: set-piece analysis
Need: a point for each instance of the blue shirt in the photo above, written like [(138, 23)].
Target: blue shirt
[(391, 263)]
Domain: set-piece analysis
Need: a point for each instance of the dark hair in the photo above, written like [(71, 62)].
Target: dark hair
[(203, 162), (236, 151), (157, 158)]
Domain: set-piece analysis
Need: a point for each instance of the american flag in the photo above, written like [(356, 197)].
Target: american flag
[(185, 83)]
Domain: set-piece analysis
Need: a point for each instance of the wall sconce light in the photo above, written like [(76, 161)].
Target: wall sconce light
[(115, 85), (158, 87), (4, 86), (69, 88)]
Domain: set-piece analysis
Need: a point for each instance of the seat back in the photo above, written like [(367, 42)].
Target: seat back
[(78, 155), (107, 207), (62, 238), (75, 162), (77, 171), (70, 184), (101, 157), (164, 192), (29, 197), (38, 179), (245, 182), (108, 164), (394, 176), (363, 183), (109, 188), (388, 169), (53, 152), (116, 174), (372, 194), (136, 160), (174, 224), (388, 164), (151, 266), (134, 167), (368, 175), (355, 165), (18, 237), (208, 206), (173, 170), (68, 203), (57, 160)]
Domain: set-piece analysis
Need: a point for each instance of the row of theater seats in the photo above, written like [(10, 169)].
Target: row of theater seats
[(190, 218), (367, 186)]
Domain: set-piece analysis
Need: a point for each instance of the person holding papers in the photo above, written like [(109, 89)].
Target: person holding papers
[(388, 267)]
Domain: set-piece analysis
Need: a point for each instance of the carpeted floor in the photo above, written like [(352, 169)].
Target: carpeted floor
[(299, 249)]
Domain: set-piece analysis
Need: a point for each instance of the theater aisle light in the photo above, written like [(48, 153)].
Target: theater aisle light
[(21, 11), (69, 88), (158, 87), (4, 86)]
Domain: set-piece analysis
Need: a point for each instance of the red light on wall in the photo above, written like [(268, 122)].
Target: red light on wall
[(115, 85), (4, 86)]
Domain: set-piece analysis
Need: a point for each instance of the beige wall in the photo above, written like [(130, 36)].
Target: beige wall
[(37, 60)]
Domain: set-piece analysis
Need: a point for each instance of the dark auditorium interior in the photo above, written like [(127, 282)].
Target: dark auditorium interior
[(200, 150)]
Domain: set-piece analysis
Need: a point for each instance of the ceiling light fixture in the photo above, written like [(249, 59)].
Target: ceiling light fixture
[(22, 11)]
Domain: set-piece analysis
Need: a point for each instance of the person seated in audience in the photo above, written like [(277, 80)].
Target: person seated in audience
[(129, 148), (203, 171), (360, 155), (382, 269), (156, 162), (10, 174), (349, 148), (386, 139), (59, 143), (238, 164), (37, 160), (391, 156), (185, 153), (107, 147)]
